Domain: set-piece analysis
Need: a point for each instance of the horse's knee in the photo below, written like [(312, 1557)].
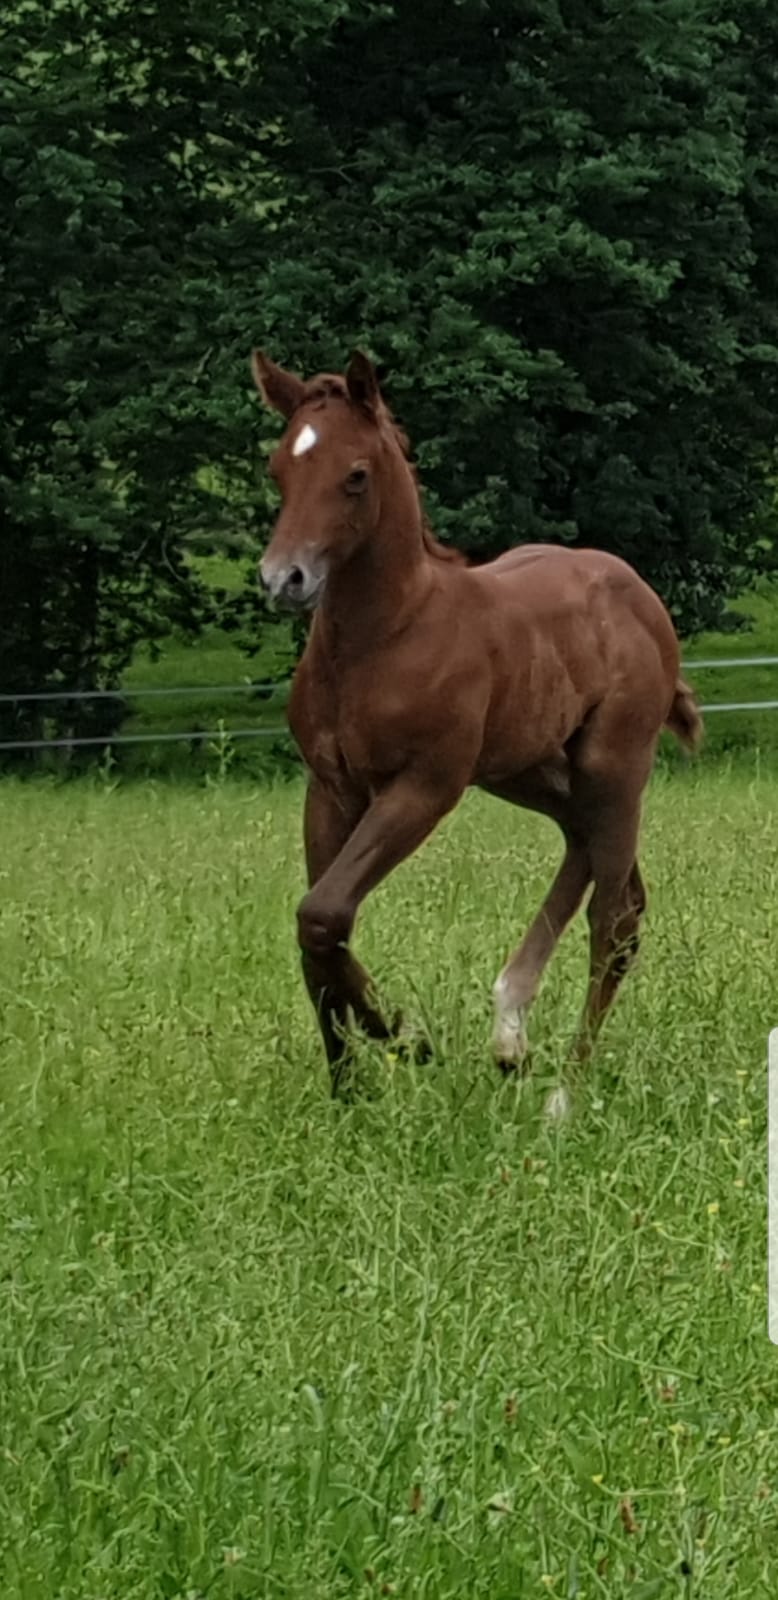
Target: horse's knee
[(322, 927)]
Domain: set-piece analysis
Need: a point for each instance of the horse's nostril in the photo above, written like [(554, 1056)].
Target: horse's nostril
[(295, 578)]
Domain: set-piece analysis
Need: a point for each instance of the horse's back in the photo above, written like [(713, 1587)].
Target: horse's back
[(572, 632), (548, 582), (555, 563)]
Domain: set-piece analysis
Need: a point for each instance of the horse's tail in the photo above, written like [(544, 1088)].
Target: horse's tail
[(683, 719)]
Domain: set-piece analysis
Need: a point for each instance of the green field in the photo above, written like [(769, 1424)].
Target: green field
[(257, 1344)]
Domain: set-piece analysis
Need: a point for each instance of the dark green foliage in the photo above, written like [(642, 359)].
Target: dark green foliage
[(136, 204), (551, 222)]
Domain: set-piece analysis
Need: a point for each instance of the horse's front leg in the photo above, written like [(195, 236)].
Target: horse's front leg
[(393, 826), (330, 817)]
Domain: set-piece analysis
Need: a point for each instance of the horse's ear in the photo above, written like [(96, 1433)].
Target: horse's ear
[(362, 383), (281, 390)]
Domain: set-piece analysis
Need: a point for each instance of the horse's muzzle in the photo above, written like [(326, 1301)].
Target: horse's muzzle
[(294, 587)]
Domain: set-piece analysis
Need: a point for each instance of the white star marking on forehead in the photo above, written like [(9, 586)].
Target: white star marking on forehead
[(306, 439)]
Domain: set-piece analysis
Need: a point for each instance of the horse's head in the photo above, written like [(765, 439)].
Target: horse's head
[(328, 467)]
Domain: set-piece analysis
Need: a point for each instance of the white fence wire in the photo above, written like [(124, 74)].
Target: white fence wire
[(263, 691)]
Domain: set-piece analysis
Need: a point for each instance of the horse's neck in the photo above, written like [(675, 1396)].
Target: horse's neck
[(373, 597), (375, 594)]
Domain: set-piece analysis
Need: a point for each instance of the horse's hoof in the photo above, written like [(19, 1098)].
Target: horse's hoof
[(515, 1066), (341, 1084), (559, 1105), (409, 1043), (510, 1045), (413, 1046)]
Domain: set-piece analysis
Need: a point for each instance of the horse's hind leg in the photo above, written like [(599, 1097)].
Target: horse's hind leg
[(606, 795), (547, 790), (614, 920), (519, 980)]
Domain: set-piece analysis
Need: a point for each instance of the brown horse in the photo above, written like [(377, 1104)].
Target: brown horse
[(543, 677)]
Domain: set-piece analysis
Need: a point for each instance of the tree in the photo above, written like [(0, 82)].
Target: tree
[(137, 203), (549, 219)]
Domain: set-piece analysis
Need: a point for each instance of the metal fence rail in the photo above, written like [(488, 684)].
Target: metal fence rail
[(711, 663), (200, 736), (731, 661), (58, 695), (196, 737)]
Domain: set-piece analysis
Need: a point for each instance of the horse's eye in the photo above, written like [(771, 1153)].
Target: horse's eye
[(356, 481)]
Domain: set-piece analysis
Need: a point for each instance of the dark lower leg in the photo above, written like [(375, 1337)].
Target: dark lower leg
[(395, 823), (335, 980), (614, 918), (338, 983)]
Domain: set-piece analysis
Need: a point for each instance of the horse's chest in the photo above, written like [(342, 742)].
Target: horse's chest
[(345, 735), (370, 746)]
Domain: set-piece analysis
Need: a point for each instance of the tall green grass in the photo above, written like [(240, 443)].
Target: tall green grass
[(257, 1344)]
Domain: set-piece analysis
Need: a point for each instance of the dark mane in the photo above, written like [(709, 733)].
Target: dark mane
[(433, 546), (328, 386)]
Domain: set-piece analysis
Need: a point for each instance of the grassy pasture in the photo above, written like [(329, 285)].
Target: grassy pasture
[(257, 1344)]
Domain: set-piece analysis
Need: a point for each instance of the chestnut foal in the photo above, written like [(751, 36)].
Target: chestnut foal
[(543, 677)]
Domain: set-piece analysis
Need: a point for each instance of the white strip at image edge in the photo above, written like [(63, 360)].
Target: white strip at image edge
[(772, 1186)]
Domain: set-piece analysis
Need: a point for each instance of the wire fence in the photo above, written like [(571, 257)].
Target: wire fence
[(197, 737), (712, 663), (261, 690)]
